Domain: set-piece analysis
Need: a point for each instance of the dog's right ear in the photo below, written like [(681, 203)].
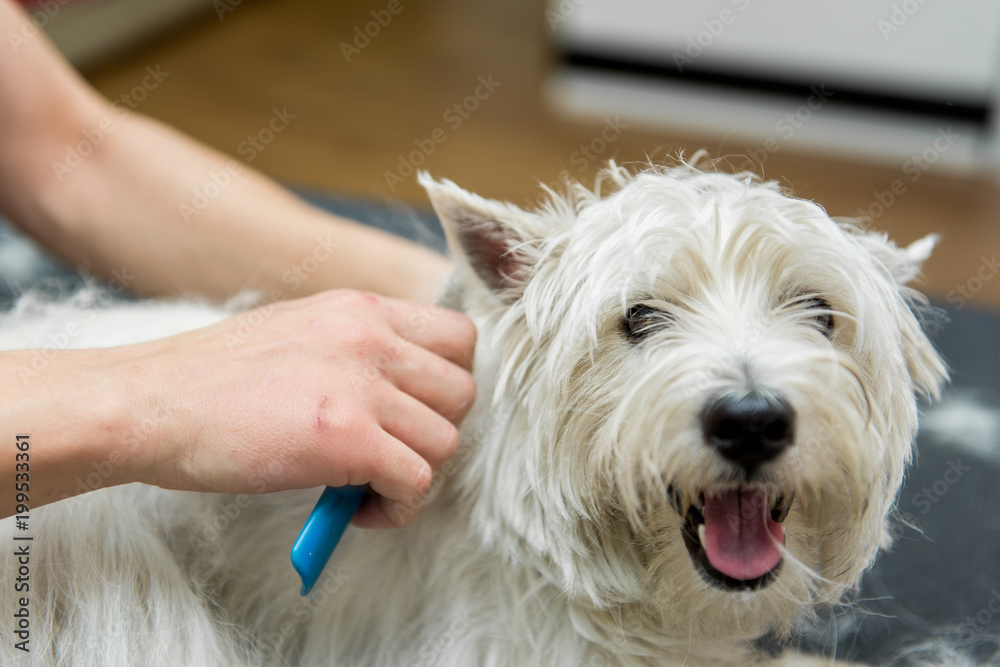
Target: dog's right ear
[(491, 238)]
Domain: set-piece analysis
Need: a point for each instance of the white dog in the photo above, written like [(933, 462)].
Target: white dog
[(696, 405)]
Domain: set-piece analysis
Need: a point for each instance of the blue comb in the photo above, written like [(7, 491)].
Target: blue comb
[(323, 530)]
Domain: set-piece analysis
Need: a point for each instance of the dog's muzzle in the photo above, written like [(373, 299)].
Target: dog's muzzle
[(734, 536)]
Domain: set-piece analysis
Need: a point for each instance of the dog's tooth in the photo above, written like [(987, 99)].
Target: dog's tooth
[(701, 534), (781, 508)]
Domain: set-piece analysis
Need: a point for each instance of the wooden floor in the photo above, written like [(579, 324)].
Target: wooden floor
[(352, 120)]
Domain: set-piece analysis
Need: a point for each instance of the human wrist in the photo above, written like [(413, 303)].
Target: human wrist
[(76, 412)]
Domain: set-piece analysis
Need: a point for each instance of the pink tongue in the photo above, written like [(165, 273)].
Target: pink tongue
[(741, 540)]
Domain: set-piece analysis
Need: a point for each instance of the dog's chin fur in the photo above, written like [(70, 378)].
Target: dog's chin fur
[(556, 534)]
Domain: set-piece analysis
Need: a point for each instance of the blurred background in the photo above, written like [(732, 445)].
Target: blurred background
[(885, 108), (881, 108)]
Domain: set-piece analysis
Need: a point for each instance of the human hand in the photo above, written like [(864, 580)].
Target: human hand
[(339, 388)]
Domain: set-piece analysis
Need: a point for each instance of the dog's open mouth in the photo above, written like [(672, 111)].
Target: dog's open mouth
[(734, 536)]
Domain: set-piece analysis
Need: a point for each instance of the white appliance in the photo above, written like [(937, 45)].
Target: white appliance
[(887, 80)]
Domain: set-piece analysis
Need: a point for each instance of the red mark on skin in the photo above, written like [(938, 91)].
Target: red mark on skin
[(322, 423)]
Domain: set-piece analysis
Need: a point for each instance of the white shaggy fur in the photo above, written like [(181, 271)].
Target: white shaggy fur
[(550, 538)]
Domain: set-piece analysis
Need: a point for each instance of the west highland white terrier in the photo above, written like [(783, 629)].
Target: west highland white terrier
[(697, 398)]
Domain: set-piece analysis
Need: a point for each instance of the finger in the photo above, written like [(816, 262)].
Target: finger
[(400, 477), (445, 332), (441, 385), (371, 513), (427, 433)]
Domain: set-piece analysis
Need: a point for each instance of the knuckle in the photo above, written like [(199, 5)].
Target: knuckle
[(356, 299), (342, 423), (382, 355), (358, 335)]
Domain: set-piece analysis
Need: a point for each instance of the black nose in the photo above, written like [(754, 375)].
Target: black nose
[(749, 428)]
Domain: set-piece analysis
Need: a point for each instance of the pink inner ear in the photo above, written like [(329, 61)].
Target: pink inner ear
[(488, 245), (509, 270)]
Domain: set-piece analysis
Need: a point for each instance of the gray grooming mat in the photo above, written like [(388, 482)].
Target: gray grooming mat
[(942, 577)]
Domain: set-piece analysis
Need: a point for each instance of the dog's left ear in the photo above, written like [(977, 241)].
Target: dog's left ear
[(491, 238), (926, 369), (904, 264)]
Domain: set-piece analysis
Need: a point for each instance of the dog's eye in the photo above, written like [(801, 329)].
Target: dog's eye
[(641, 320), (823, 315)]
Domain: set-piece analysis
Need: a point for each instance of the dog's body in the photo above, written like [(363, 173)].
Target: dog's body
[(696, 405)]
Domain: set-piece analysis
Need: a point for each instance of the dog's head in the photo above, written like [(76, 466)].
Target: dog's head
[(703, 392)]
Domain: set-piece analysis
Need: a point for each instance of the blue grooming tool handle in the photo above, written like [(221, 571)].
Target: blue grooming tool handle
[(323, 530)]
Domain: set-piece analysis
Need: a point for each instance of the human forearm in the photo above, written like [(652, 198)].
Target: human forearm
[(75, 416), (128, 198), (138, 206), (143, 217)]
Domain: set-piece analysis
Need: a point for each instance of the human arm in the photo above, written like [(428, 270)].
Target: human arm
[(118, 213), (338, 388)]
